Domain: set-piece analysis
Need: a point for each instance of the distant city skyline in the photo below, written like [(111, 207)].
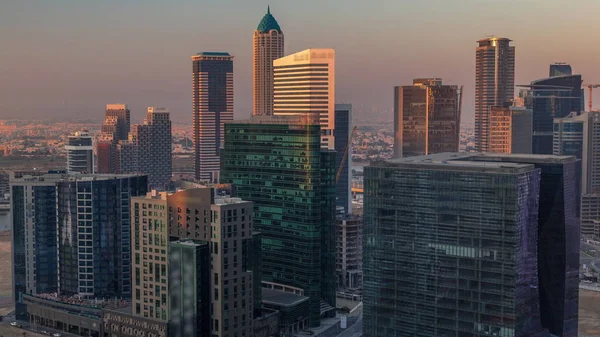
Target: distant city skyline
[(73, 57)]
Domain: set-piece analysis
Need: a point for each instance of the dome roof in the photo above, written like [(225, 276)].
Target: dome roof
[(268, 23)]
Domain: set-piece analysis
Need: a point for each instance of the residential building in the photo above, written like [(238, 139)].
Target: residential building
[(553, 97), (426, 118), (343, 145), (517, 228), (494, 83), (510, 129), (212, 106), (123, 115), (304, 84), (279, 165), (267, 46), (94, 234), (80, 153), (148, 149), (349, 252)]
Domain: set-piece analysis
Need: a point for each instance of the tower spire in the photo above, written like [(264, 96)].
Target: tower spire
[(268, 9)]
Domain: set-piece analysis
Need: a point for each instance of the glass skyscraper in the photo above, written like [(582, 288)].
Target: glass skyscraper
[(342, 134), (278, 164), (94, 234), (471, 245)]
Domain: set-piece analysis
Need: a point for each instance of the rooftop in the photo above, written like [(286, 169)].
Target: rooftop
[(268, 23), (207, 55), (311, 119), (281, 298), (477, 162)]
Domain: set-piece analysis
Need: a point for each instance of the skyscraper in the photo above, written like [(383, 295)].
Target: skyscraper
[(342, 133), (488, 245), (553, 97), (510, 129), (426, 118), (80, 153), (579, 136), (279, 165), (560, 69), (494, 83), (304, 84), (116, 126), (267, 47), (212, 106), (94, 234), (33, 213)]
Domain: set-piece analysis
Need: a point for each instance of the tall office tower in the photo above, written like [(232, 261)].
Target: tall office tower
[(560, 69), (494, 83), (342, 134), (33, 213), (94, 234), (278, 163), (304, 84), (189, 288), (579, 136), (349, 252), (117, 121), (452, 246), (426, 118), (80, 153), (123, 116), (553, 97), (510, 129), (212, 105), (267, 47)]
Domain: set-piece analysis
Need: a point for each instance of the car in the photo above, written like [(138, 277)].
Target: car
[(44, 332), (56, 334), (14, 323)]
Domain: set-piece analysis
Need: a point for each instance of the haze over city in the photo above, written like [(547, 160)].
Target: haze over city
[(68, 58)]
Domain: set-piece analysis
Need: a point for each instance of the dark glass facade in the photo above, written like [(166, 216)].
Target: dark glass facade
[(451, 250), (559, 243), (342, 132), (94, 235), (18, 246), (189, 289), (278, 164), (554, 97)]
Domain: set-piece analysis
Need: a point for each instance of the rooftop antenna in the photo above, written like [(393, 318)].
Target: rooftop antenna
[(489, 35)]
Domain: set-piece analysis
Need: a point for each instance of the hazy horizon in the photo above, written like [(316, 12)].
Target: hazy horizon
[(69, 58)]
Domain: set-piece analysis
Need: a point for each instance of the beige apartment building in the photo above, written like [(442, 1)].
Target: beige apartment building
[(510, 130), (225, 224)]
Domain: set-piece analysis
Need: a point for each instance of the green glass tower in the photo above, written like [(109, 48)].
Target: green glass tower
[(278, 163)]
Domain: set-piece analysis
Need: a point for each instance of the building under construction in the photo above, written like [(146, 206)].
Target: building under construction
[(348, 254)]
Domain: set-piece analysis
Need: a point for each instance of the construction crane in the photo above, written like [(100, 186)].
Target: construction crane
[(345, 157), (590, 94)]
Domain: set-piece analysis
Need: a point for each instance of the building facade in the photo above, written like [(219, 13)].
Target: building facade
[(343, 141), (117, 121), (278, 164), (560, 69), (510, 130), (267, 46), (94, 234), (189, 292), (80, 153), (212, 106), (550, 98), (432, 269), (494, 83), (304, 84), (426, 118), (33, 218), (349, 252)]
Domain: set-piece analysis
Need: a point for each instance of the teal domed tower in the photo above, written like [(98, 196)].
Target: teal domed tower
[(267, 47)]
